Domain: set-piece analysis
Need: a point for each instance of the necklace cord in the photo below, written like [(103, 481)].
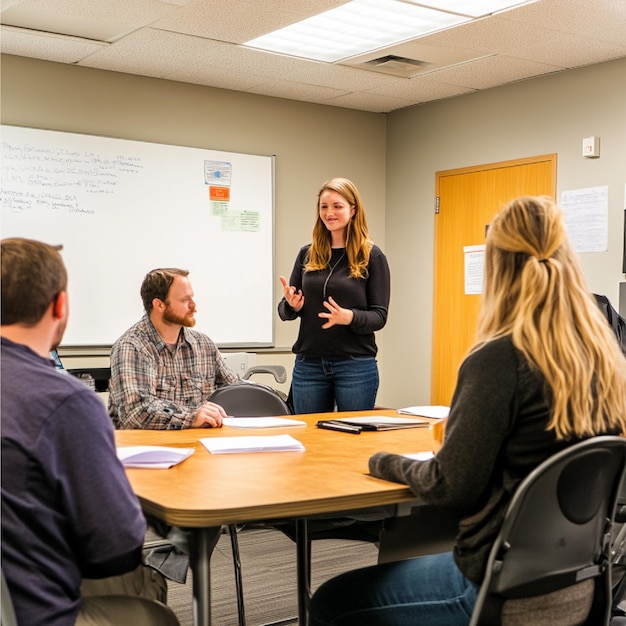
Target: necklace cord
[(330, 273)]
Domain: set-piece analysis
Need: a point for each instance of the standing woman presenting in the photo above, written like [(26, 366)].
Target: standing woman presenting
[(339, 288)]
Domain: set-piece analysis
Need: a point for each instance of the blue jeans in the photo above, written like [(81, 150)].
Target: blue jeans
[(318, 384), (425, 591)]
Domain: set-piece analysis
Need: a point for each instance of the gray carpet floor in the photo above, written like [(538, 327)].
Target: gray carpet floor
[(268, 560)]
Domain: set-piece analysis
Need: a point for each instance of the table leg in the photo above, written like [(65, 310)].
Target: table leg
[(202, 542), (303, 559)]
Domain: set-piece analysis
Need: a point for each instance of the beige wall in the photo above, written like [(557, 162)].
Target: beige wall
[(392, 158)]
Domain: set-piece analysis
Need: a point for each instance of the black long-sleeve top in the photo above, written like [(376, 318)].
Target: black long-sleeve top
[(367, 297), (495, 436)]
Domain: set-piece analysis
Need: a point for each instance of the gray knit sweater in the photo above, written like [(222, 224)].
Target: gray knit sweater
[(496, 434)]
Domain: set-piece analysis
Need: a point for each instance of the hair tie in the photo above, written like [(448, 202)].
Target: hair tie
[(544, 260)]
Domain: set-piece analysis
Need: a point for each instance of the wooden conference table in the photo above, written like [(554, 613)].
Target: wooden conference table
[(209, 490)]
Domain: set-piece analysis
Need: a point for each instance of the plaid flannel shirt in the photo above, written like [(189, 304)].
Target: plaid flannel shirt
[(154, 386)]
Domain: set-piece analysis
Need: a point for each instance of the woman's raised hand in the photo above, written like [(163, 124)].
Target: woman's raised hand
[(293, 296)]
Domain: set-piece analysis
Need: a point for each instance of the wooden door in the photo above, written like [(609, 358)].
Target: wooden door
[(468, 199)]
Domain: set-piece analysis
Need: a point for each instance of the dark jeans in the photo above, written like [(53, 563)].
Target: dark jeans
[(318, 384), (429, 591)]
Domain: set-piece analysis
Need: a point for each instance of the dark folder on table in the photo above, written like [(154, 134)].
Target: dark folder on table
[(381, 422)]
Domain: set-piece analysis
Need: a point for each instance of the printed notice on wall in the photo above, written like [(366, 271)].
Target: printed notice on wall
[(241, 221), (587, 218), (474, 261)]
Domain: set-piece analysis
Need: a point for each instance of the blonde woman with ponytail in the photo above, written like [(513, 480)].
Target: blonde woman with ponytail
[(339, 288), (546, 371), (536, 293)]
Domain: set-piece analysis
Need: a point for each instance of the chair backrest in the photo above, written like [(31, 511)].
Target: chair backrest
[(615, 320), (250, 400), (556, 531)]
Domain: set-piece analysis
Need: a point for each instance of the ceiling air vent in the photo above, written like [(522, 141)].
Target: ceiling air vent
[(398, 66)]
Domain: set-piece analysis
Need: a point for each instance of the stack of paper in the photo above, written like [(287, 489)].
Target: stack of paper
[(261, 422), (155, 457), (267, 443), (436, 411)]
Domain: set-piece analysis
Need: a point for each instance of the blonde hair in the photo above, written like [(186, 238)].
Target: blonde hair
[(535, 291), (358, 243)]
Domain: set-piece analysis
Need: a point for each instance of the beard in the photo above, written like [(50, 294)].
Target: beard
[(185, 320)]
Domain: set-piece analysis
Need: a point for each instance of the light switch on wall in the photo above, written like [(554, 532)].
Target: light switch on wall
[(591, 147)]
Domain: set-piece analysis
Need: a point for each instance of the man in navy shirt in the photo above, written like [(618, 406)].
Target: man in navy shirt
[(68, 511)]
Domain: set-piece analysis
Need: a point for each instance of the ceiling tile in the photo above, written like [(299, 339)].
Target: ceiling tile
[(152, 52), (56, 48), (376, 103), (491, 71), (587, 18), (86, 18), (425, 89), (296, 91), (492, 35), (571, 51)]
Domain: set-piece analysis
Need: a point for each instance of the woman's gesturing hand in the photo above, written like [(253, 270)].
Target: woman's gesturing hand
[(293, 296)]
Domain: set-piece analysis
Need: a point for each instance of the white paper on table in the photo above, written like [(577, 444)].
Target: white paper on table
[(436, 411), (420, 456), (155, 457), (261, 422), (264, 443)]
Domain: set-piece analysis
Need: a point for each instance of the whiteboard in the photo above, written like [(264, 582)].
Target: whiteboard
[(121, 208)]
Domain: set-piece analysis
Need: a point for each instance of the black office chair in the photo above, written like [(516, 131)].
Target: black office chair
[(247, 400), (554, 545), (618, 560), (250, 400)]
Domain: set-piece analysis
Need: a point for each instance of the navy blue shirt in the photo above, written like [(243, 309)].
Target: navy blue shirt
[(68, 510)]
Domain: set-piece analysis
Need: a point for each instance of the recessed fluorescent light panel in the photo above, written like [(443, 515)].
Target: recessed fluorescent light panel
[(362, 26)]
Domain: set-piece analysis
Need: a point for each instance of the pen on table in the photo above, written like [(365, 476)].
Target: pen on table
[(346, 428)]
